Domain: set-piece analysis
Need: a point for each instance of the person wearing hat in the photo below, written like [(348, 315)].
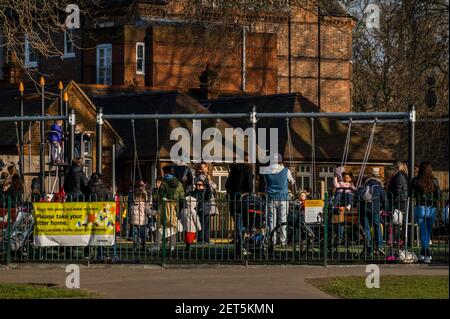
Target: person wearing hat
[(203, 194), (276, 179), (372, 199)]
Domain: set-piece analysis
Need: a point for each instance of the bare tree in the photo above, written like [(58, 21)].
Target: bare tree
[(405, 61), (29, 26)]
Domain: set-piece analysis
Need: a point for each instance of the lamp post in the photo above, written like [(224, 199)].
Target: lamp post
[(21, 157), (42, 139)]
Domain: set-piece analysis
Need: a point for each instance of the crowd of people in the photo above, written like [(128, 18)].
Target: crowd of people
[(183, 200)]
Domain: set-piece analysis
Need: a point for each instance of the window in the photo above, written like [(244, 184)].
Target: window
[(327, 174), (140, 58), (219, 176), (104, 64), (68, 44), (304, 177), (30, 55), (88, 166)]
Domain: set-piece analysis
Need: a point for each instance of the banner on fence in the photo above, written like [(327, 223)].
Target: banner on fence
[(74, 224), (314, 211)]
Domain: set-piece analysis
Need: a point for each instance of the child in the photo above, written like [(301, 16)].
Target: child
[(344, 186), (190, 221), (138, 218), (55, 138)]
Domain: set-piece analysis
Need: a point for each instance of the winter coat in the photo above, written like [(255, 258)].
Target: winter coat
[(398, 191), (379, 199), (185, 176), (171, 188), (173, 191), (239, 181), (98, 192), (422, 198), (75, 183), (55, 134), (188, 215), (140, 210), (203, 199)]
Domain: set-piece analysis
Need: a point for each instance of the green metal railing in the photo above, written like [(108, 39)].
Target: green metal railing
[(339, 237)]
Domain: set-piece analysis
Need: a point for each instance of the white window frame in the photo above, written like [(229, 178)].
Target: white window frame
[(28, 50), (220, 172), (103, 47), (304, 171), (68, 38), (140, 44), (327, 172)]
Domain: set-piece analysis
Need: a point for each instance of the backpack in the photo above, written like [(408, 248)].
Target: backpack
[(367, 193)]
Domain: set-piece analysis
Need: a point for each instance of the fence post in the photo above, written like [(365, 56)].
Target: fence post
[(8, 241), (325, 231), (163, 243)]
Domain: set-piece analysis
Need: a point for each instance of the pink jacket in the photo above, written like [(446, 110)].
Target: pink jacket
[(350, 187)]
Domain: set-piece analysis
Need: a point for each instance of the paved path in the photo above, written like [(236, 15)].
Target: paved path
[(216, 282)]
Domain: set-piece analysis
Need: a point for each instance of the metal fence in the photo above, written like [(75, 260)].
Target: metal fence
[(244, 230)]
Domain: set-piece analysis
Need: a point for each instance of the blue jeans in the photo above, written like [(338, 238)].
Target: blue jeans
[(425, 217), (372, 219), (347, 199), (278, 214), (138, 232)]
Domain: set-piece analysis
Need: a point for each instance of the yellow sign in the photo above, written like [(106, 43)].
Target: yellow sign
[(74, 224), (314, 203), (314, 211)]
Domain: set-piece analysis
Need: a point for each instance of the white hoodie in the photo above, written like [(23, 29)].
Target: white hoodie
[(189, 217)]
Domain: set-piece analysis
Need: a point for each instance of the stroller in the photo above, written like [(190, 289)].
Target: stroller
[(253, 210), (297, 229), (21, 230)]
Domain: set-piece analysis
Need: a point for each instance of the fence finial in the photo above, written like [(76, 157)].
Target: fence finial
[(66, 97), (42, 81), (21, 87), (60, 85)]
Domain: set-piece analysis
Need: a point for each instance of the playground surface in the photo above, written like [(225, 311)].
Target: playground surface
[(203, 282)]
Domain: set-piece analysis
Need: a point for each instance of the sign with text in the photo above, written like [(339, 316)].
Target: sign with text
[(74, 224), (314, 211)]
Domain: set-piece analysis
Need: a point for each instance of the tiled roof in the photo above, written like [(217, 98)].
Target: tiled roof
[(329, 134)]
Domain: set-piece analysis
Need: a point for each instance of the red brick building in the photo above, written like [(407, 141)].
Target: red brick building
[(153, 44)]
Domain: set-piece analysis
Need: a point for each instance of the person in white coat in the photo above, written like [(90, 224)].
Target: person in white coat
[(190, 221)]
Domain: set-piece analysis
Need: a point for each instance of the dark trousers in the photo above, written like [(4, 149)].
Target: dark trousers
[(203, 235)]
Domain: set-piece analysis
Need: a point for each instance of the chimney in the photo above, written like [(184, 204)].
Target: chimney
[(208, 80)]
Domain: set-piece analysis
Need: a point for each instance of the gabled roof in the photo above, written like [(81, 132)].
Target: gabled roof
[(9, 106), (147, 102)]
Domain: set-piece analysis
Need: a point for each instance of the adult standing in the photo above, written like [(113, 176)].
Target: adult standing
[(397, 191), (372, 199), (277, 178), (97, 191), (203, 194), (239, 181), (426, 192), (75, 182), (172, 191)]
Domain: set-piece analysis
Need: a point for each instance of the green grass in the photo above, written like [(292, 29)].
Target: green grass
[(28, 291), (391, 287)]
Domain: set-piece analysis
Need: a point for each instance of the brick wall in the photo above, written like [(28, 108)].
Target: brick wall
[(335, 69), (114, 36), (180, 54)]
